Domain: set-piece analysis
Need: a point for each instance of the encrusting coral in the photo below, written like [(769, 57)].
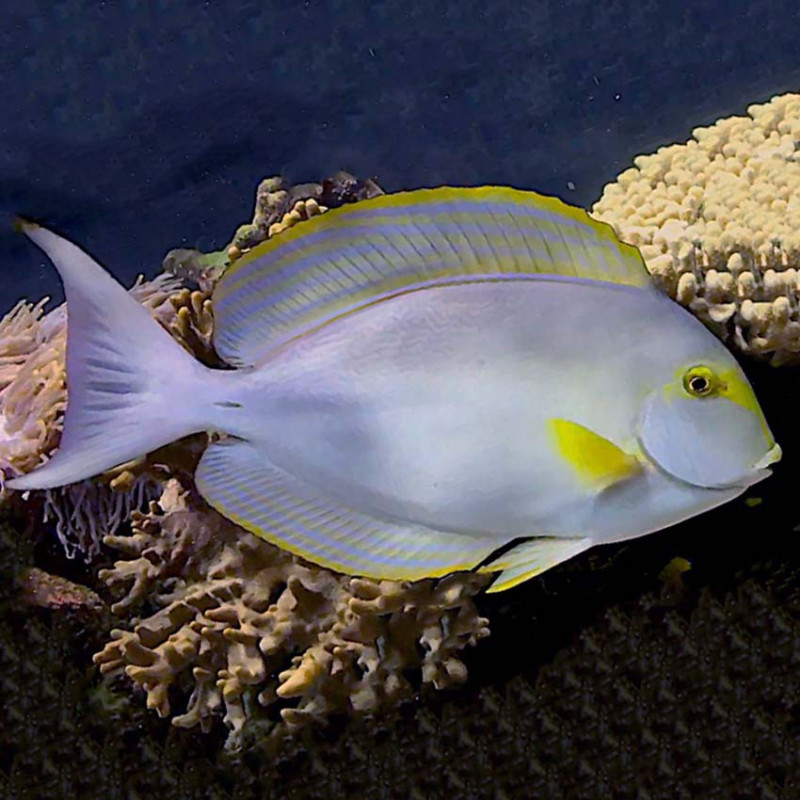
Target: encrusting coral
[(241, 624), (718, 222)]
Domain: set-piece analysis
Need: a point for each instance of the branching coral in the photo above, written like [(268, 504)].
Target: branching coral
[(718, 222), (302, 210), (193, 323), (241, 624)]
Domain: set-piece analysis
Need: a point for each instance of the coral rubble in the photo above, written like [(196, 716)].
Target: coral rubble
[(240, 624), (718, 222)]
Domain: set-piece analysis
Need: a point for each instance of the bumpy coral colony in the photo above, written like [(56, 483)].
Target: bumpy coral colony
[(718, 222)]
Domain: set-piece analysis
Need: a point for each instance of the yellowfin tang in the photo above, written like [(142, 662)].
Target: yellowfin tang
[(421, 379)]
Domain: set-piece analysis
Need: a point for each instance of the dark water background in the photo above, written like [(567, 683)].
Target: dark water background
[(135, 127)]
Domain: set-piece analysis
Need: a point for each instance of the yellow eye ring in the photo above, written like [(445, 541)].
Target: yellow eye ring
[(700, 382)]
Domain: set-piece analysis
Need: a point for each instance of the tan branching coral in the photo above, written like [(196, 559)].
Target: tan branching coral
[(718, 222), (302, 210), (269, 221), (241, 625), (252, 234), (193, 323)]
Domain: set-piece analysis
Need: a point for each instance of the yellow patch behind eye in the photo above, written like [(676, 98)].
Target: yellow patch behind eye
[(738, 390), (596, 460), (726, 383)]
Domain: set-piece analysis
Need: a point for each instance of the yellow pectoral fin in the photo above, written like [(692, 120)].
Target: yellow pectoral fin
[(597, 461)]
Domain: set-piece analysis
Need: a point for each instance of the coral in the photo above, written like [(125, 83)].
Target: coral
[(302, 210), (242, 624), (193, 324), (718, 222), (278, 206)]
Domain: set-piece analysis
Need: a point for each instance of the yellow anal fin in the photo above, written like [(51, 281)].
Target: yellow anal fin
[(531, 558), (597, 461)]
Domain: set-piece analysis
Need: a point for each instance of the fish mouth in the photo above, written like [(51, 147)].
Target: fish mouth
[(771, 457), (760, 469)]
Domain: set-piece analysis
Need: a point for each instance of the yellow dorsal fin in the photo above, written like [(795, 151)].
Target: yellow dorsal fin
[(597, 461), (392, 244)]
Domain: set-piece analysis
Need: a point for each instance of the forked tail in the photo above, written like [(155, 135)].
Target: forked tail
[(128, 381)]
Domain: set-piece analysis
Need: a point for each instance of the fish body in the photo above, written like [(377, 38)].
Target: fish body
[(430, 406), (422, 379)]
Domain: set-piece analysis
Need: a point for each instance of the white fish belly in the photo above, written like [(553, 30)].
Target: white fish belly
[(434, 406)]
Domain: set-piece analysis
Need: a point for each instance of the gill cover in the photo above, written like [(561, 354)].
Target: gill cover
[(713, 442)]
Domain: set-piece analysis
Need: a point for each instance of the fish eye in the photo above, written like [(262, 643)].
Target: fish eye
[(700, 382)]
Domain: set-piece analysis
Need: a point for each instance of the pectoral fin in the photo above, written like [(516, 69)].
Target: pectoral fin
[(529, 559), (596, 461)]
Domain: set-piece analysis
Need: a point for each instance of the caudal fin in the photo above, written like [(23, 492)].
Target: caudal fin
[(127, 379)]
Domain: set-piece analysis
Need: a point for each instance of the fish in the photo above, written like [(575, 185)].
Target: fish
[(422, 383)]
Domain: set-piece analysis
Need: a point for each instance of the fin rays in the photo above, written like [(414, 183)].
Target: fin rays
[(119, 360), (241, 483), (358, 254), (531, 558)]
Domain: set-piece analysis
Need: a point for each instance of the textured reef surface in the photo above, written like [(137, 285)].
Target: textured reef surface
[(718, 222), (628, 672)]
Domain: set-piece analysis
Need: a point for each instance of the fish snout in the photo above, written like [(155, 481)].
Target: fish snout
[(773, 456)]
